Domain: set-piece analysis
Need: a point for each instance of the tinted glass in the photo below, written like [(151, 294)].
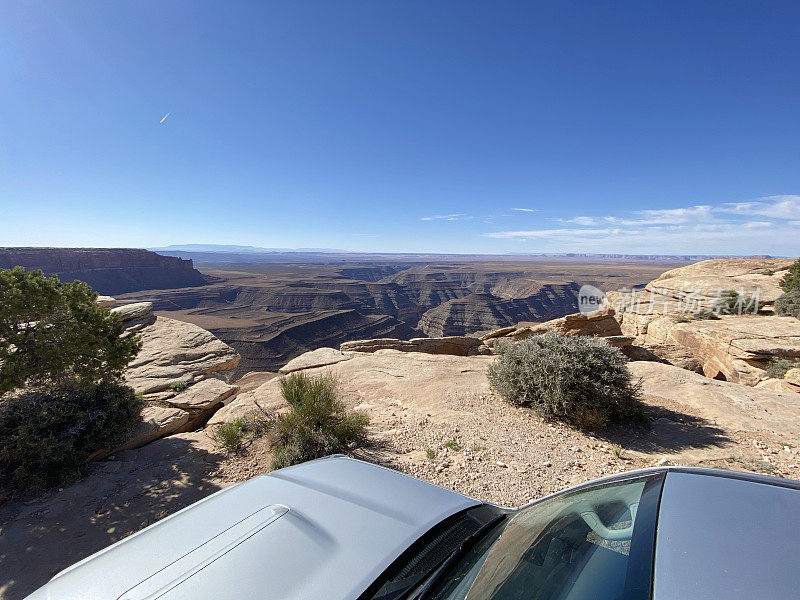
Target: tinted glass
[(578, 546)]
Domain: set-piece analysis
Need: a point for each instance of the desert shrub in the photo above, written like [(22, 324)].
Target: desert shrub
[(768, 272), (318, 422), (682, 318), (55, 333), (706, 315), (47, 435), (731, 302), (452, 445), (777, 369), (788, 304), (430, 454), (580, 380), (791, 281), (228, 436), (178, 385)]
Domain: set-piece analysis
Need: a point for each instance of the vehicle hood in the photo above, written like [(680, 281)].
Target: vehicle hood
[(324, 529)]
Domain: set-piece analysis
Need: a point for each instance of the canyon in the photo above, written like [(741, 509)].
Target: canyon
[(271, 312)]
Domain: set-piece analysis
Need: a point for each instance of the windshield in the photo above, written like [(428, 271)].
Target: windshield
[(592, 544)]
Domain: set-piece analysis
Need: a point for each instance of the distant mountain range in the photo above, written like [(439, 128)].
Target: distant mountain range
[(240, 249), (226, 253)]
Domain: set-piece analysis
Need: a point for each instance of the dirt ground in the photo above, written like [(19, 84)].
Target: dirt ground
[(462, 437)]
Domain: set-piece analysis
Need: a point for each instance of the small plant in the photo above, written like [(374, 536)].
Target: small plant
[(731, 302), (777, 369), (580, 380), (453, 445), (791, 281), (178, 385), (318, 422), (768, 272), (682, 318), (430, 454), (228, 436), (706, 315), (616, 450), (477, 448), (788, 304)]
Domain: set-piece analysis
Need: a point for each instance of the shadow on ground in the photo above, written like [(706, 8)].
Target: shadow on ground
[(669, 432), (40, 537)]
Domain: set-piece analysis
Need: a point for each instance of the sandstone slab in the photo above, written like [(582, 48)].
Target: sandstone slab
[(453, 345), (157, 422), (734, 407), (736, 348), (601, 323), (316, 358), (106, 301), (203, 395), (173, 350), (792, 378), (129, 312), (415, 379), (705, 280)]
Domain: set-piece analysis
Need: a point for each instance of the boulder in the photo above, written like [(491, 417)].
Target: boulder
[(376, 344), (129, 312), (600, 323), (203, 395), (173, 350), (453, 345), (792, 378), (266, 401), (316, 358), (106, 301), (498, 333)]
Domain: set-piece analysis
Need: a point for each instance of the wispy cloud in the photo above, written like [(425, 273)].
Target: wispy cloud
[(721, 229), (529, 210), (164, 118), (777, 207), (453, 217)]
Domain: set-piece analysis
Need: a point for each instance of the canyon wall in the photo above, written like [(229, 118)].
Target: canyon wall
[(107, 270)]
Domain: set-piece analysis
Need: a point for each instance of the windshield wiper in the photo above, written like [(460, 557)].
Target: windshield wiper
[(458, 553)]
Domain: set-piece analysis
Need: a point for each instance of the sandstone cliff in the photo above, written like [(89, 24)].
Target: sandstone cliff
[(107, 270), (736, 347)]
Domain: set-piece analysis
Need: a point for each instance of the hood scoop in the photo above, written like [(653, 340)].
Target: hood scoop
[(190, 563)]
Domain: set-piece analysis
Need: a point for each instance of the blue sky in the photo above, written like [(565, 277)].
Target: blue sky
[(654, 127)]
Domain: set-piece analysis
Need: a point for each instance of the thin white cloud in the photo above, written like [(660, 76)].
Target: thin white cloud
[(552, 233), (776, 207), (453, 217), (582, 220), (526, 209), (704, 229), (164, 118)]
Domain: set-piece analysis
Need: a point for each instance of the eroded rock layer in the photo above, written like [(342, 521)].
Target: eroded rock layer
[(107, 270)]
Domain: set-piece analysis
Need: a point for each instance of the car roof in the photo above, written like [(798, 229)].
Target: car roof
[(724, 534)]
